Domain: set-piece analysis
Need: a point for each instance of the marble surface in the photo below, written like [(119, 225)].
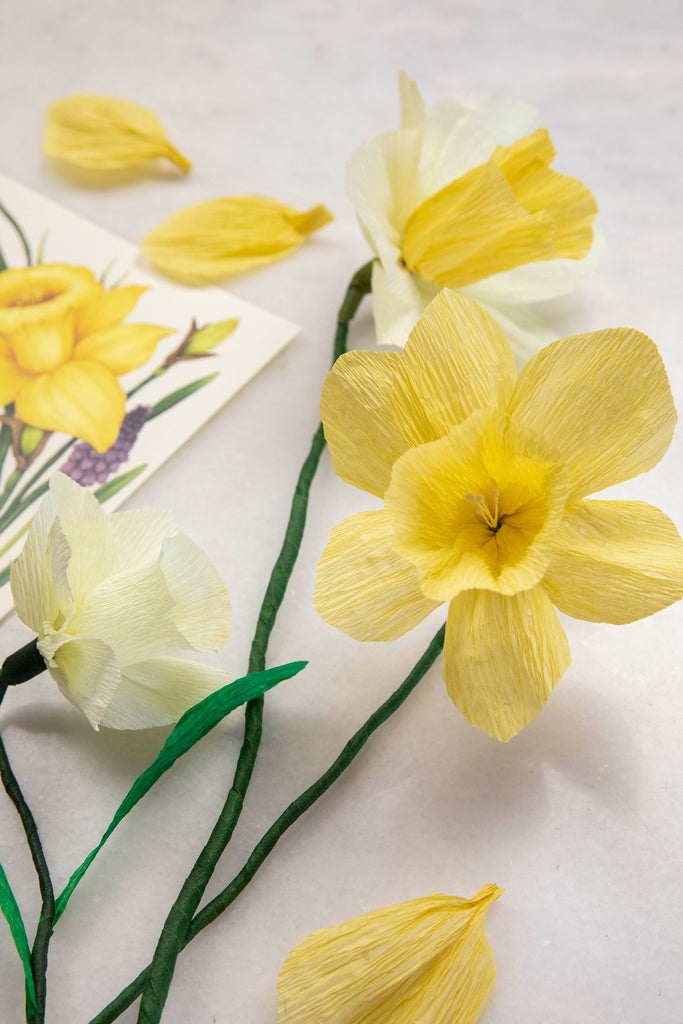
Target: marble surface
[(579, 817)]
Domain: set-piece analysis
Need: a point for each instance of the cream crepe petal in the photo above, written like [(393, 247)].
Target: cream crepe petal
[(358, 417), (525, 329), (138, 537), (87, 532), (396, 311), (616, 561), (363, 587), (603, 400), (202, 608), (456, 361), (87, 673), (502, 658), (38, 576), (159, 692)]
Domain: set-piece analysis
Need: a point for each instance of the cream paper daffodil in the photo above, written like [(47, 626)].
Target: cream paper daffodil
[(109, 596), (63, 345), (425, 961), (484, 476), (462, 196)]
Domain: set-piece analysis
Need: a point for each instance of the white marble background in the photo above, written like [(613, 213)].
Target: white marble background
[(579, 817)]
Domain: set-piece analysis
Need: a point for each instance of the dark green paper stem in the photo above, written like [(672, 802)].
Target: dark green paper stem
[(173, 935), (34, 1014), (288, 817)]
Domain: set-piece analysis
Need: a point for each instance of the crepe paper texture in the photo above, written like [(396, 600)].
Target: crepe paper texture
[(108, 596), (104, 133), (192, 727), (484, 477), (96, 417), (220, 238), (425, 960), (12, 914), (462, 196)]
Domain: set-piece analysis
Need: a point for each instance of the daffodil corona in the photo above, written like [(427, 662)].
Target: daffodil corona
[(484, 477), (62, 347), (462, 196)]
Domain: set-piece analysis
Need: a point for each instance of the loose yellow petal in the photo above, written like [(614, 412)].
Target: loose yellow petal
[(104, 133), (121, 348), (363, 586), (616, 561), (358, 416), (426, 960), (502, 658), (506, 213), (80, 398), (478, 508), (456, 361), (603, 400), (107, 309), (224, 237)]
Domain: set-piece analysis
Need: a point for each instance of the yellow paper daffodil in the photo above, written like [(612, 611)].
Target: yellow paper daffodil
[(62, 347), (109, 596), (484, 477), (224, 237), (426, 960), (461, 196)]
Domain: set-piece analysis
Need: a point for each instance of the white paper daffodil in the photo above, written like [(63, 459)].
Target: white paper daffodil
[(462, 196), (109, 596)]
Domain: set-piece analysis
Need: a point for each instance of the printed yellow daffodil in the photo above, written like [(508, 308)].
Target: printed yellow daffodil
[(461, 196), (484, 477), (426, 960), (109, 596), (224, 237), (103, 133), (62, 347)]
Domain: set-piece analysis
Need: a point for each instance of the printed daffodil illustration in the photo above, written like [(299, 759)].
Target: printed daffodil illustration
[(109, 597), (426, 960), (462, 196), (484, 477), (63, 346)]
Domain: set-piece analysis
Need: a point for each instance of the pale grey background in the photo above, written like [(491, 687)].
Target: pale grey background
[(579, 818)]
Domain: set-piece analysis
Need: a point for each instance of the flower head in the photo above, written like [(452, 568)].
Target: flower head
[(461, 196), (484, 476), (426, 960), (109, 596), (62, 347)]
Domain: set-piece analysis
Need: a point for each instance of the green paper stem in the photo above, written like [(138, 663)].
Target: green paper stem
[(172, 938), (192, 727), (288, 817)]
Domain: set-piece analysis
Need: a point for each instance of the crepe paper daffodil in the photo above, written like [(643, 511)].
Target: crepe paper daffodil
[(484, 476), (426, 960), (462, 196), (62, 347), (103, 133), (108, 597), (224, 237)]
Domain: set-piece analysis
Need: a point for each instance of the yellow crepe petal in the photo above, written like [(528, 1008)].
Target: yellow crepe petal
[(426, 960), (110, 307), (456, 360), (223, 237), (358, 417), (12, 377), (363, 586), (616, 561), (502, 658), (121, 348), (104, 133), (603, 400), (80, 398)]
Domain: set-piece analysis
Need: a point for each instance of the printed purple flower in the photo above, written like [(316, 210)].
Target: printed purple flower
[(87, 466)]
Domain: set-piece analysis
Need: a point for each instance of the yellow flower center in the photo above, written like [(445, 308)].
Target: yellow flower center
[(497, 535), (508, 212)]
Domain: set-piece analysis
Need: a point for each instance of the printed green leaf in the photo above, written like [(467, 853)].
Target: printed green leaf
[(12, 914), (114, 485), (193, 726), (177, 396)]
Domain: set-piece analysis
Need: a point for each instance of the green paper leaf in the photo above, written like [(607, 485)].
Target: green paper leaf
[(12, 914), (193, 726), (114, 485), (177, 396)]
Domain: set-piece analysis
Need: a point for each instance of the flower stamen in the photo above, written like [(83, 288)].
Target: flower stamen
[(492, 519)]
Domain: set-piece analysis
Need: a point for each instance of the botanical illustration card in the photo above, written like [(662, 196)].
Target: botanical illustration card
[(105, 370)]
